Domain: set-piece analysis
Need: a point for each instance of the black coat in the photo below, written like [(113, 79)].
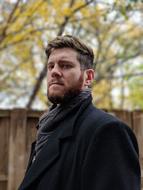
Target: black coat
[(91, 150)]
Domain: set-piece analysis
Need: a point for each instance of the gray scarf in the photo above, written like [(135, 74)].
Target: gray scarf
[(49, 121)]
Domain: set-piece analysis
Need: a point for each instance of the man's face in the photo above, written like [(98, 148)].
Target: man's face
[(65, 77)]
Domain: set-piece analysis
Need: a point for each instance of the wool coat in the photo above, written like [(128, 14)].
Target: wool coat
[(91, 150)]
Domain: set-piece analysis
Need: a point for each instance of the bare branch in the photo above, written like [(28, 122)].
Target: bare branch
[(118, 76), (9, 20), (83, 6)]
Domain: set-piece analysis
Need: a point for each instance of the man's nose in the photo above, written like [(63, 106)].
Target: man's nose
[(56, 71)]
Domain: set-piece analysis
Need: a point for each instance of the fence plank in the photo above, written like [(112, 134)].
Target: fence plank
[(138, 129), (17, 148), (4, 139), (125, 116)]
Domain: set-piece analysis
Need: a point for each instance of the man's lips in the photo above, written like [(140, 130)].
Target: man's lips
[(55, 82)]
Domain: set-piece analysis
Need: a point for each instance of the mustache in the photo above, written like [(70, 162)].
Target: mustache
[(60, 82)]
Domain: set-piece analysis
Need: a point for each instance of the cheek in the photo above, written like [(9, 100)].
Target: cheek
[(71, 80), (76, 79), (81, 80), (48, 77), (75, 76)]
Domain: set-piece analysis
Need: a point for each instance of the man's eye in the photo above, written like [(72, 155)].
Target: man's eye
[(50, 67), (66, 66)]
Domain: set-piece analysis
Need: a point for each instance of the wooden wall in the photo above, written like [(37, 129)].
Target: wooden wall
[(18, 130)]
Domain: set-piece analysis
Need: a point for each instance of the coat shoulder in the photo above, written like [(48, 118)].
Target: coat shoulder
[(96, 122), (97, 117)]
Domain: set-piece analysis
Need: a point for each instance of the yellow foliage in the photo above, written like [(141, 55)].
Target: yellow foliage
[(26, 16), (67, 11), (100, 94), (134, 30), (39, 20)]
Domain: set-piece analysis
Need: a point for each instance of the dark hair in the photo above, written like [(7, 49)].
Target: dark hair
[(84, 53)]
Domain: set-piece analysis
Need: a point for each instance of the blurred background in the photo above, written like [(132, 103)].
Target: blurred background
[(113, 28)]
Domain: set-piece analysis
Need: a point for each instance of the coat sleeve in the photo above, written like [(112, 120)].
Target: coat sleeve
[(111, 161)]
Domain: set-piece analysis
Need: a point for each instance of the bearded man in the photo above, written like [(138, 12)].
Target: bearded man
[(78, 146)]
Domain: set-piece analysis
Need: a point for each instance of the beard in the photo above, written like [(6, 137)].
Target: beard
[(68, 93)]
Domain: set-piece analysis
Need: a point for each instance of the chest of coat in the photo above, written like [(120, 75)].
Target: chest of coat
[(65, 170)]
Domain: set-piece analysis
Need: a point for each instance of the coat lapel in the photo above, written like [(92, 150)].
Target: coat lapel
[(46, 157)]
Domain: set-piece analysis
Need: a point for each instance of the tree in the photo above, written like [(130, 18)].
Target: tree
[(110, 28)]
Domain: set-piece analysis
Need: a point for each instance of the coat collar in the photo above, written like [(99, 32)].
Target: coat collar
[(51, 150)]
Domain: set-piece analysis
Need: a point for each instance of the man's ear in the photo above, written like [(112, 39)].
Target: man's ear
[(89, 77)]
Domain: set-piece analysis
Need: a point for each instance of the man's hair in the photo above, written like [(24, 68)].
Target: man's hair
[(85, 54)]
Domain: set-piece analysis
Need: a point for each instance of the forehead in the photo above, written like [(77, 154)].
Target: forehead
[(63, 53)]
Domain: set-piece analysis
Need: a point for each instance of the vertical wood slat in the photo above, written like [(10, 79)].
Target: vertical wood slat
[(17, 148), (138, 129), (125, 116), (4, 148)]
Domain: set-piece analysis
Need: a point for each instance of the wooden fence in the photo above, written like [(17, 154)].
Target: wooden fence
[(17, 131)]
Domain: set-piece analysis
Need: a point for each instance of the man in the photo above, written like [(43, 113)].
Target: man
[(78, 146)]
